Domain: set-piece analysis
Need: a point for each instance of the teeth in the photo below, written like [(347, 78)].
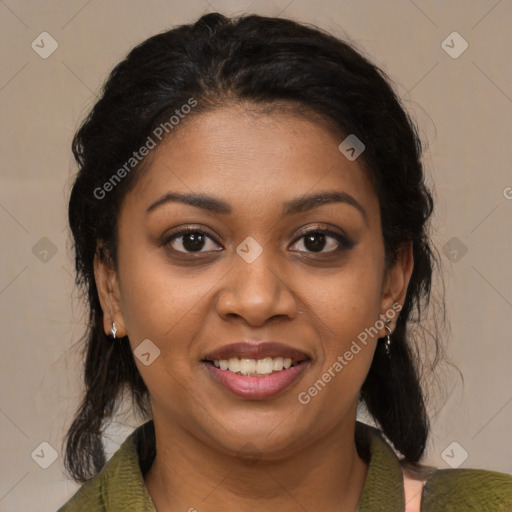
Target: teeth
[(264, 366), (254, 366), (278, 364), (247, 365), (234, 364)]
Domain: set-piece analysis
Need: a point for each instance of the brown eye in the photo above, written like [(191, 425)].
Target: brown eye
[(323, 241), (190, 241)]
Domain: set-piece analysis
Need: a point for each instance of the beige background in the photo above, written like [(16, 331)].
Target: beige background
[(463, 106)]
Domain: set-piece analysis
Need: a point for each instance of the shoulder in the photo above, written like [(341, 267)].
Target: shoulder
[(467, 490), (118, 485), (418, 487)]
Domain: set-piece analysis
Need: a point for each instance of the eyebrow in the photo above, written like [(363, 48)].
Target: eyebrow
[(298, 205)]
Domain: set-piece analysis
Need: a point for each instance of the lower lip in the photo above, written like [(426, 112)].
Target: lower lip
[(257, 388)]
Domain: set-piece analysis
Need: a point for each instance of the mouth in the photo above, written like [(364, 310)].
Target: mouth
[(256, 370), (255, 367)]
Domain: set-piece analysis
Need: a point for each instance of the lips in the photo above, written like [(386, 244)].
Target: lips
[(256, 387)]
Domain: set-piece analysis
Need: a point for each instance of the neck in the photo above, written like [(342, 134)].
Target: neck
[(189, 475)]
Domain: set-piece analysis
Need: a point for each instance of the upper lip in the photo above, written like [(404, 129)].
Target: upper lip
[(256, 350)]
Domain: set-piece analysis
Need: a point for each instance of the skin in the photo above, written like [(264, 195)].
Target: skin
[(413, 487), (187, 304)]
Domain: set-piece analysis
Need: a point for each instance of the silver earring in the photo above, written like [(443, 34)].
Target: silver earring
[(388, 339), (113, 330)]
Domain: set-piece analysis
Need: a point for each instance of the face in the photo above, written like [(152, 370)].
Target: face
[(258, 264)]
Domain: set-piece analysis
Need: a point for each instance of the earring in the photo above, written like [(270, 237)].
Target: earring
[(388, 339), (113, 330)]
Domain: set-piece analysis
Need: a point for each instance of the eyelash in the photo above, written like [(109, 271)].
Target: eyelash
[(344, 242)]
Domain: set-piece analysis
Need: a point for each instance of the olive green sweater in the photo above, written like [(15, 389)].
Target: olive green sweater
[(120, 486)]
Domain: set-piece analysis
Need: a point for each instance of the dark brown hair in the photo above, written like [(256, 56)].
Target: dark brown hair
[(263, 61)]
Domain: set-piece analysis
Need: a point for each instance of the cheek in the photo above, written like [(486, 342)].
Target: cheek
[(346, 309), (159, 301), (345, 352), (165, 306), (349, 302)]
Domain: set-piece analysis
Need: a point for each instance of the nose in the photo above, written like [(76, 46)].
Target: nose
[(255, 292)]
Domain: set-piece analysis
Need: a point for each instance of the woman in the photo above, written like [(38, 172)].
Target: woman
[(250, 222)]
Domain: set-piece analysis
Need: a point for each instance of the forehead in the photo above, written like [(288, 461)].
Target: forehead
[(250, 157)]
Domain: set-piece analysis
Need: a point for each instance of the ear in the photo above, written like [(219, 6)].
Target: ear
[(396, 282), (108, 292)]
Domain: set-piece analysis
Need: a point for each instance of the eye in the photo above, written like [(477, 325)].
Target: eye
[(323, 241), (190, 240), (194, 240)]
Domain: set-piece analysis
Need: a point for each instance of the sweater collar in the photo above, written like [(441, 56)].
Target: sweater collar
[(123, 486), (384, 486)]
